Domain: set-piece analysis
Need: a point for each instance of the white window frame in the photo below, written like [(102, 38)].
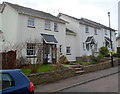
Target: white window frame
[(31, 22), (31, 49), (95, 31), (86, 29), (106, 33), (55, 27), (60, 49), (47, 25), (68, 50)]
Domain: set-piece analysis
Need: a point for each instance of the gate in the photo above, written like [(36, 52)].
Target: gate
[(8, 60)]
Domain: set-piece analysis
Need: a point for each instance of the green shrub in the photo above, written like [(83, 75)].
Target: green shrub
[(104, 51)]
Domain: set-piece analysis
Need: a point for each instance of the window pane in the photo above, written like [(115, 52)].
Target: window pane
[(47, 24), (31, 21), (31, 49)]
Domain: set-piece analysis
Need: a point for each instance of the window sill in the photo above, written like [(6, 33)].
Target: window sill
[(68, 54), (48, 29), (31, 26)]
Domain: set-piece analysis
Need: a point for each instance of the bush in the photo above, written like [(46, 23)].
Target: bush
[(118, 53), (95, 59), (104, 51)]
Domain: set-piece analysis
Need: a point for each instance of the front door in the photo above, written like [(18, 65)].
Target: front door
[(50, 54)]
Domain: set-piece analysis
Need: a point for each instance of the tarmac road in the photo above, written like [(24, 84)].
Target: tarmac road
[(106, 84)]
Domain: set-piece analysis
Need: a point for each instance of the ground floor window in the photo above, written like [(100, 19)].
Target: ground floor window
[(68, 50), (31, 51)]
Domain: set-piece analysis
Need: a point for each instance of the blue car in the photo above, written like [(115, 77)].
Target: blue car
[(15, 82)]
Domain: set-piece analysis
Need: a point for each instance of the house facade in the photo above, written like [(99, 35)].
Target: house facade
[(23, 28), (90, 36), (31, 32)]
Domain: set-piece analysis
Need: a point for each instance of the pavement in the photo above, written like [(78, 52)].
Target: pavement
[(76, 80)]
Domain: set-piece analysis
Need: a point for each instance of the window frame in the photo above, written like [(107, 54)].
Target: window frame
[(31, 49), (68, 50), (47, 25), (60, 49), (31, 22), (56, 27), (106, 33), (95, 31), (86, 29)]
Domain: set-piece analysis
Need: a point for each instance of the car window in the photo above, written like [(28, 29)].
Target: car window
[(7, 81)]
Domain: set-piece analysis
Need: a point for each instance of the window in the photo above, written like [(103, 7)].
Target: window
[(55, 27), (68, 51), (95, 31), (31, 49), (105, 32), (86, 29), (60, 49), (47, 25), (31, 22), (7, 81)]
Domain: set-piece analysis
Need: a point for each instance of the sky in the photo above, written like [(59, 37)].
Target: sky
[(95, 10)]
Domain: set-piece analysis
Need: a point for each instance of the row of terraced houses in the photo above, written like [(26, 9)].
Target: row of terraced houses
[(61, 35)]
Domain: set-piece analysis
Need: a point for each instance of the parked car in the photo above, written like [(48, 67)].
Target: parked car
[(15, 82)]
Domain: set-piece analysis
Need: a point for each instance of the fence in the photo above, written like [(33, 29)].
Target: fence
[(8, 59)]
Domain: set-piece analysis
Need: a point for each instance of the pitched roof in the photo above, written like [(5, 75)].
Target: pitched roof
[(88, 22), (33, 12)]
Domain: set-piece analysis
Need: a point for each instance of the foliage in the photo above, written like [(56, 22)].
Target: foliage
[(95, 59), (41, 68), (104, 51), (84, 63), (118, 53), (85, 58)]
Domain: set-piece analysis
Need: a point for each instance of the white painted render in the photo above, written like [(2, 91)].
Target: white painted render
[(9, 27), (81, 37)]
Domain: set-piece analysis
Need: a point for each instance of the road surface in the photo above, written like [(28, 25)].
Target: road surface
[(106, 84)]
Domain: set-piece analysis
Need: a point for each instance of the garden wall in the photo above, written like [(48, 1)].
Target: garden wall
[(46, 77), (101, 66), (51, 76)]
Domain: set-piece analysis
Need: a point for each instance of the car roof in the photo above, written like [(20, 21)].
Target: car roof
[(10, 70)]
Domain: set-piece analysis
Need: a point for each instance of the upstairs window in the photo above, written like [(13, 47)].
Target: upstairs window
[(47, 25), (31, 49), (105, 32), (31, 22), (55, 27), (95, 31), (86, 29)]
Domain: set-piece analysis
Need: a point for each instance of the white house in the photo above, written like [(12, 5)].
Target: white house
[(24, 27), (89, 36)]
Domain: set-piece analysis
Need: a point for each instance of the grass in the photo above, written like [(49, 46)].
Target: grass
[(26, 71), (84, 63), (42, 68), (45, 68)]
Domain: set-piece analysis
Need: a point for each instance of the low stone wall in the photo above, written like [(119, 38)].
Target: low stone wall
[(47, 77), (96, 67)]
